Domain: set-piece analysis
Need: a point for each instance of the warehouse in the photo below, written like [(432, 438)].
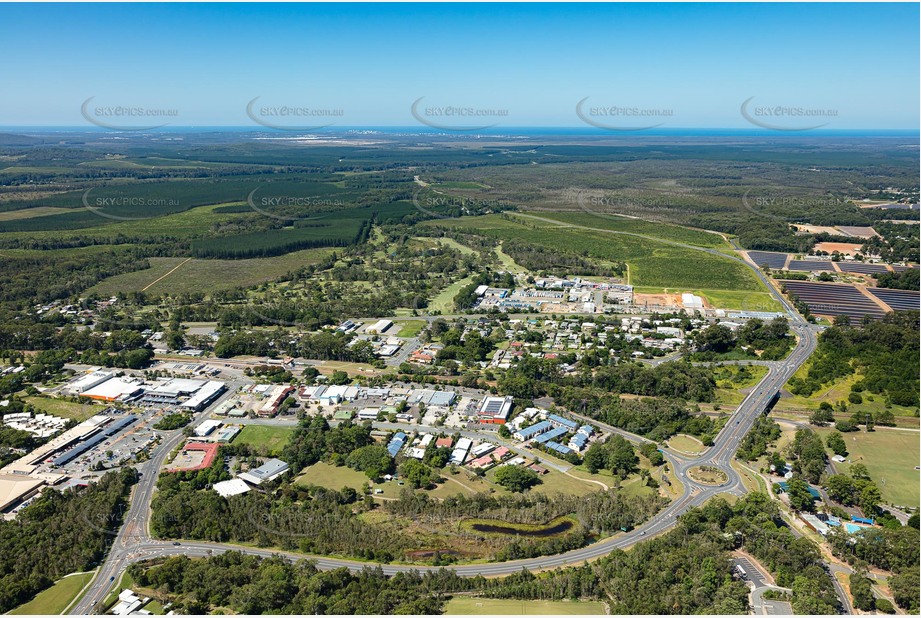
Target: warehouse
[(380, 327), (205, 395), (88, 381), (206, 428), (114, 389)]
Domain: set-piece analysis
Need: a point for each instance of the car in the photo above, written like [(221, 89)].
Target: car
[(112, 579), (176, 543), (643, 533)]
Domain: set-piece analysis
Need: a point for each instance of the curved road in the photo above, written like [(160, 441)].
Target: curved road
[(133, 542)]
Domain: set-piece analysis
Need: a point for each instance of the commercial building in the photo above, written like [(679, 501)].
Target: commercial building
[(460, 450), (206, 428), (86, 382), (195, 456), (495, 409), (104, 433), (114, 389), (267, 472), (204, 396), (274, 400), (380, 327)]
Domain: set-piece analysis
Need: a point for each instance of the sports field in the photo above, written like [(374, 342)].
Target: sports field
[(273, 438), (478, 606), (55, 600), (891, 457)]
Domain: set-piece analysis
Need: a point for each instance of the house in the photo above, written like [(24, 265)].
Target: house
[(460, 450), (396, 443), (529, 432), (559, 421), (444, 442)]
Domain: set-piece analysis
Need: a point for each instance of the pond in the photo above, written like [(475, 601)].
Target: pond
[(551, 530)]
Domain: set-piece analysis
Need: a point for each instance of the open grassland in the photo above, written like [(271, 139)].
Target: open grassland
[(56, 599), (891, 457), (443, 302), (411, 328), (664, 231), (41, 211), (652, 264), (686, 444), (333, 477), (838, 390), (63, 408), (205, 275), (273, 438), (479, 606)]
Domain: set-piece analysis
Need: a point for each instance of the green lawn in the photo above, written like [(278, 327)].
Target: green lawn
[(203, 275), (652, 264), (686, 444), (64, 409), (275, 438), (444, 300), (333, 477), (479, 606), (55, 600), (891, 457), (836, 391), (410, 329)]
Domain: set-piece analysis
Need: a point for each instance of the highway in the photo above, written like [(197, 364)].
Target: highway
[(133, 542)]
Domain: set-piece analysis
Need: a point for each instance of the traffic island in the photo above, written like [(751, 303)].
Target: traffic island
[(708, 475)]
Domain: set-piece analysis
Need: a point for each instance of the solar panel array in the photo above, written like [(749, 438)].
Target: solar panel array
[(899, 300), (899, 268), (834, 300), (774, 260), (811, 266), (860, 267)]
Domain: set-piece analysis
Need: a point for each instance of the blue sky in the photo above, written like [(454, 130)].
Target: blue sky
[(537, 61)]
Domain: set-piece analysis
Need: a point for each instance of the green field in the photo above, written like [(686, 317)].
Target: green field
[(333, 477), (410, 329), (656, 265), (838, 390), (664, 231), (202, 275), (274, 438), (686, 444), (891, 457), (55, 600), (64, 409), (479, 606), (444, 301)]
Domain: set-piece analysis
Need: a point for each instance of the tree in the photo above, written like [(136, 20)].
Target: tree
[(595, 458), (798, 492), (621, 458), (870, 499), (905, 589), (417, 473), (854, 398), (516, 478), (373, 460), (840, 488), (862, 591), (822, 416), (836, 443)]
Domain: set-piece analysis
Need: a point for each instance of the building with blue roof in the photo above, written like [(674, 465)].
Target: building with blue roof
[(559, 448), (578, 441), (396, 443), (551, 435), (536, 429), (559, 421), (587, 430)]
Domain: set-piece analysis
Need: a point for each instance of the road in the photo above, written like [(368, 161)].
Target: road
[(133, 542)]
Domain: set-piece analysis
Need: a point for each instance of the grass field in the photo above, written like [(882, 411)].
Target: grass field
[(201, 275), (410, 329), (664, 231), (275, 438), (333, 477), (55, 600), (444, 300), (64, 409), (478, 606), (890, 457), (838, 391), (686, 444), (652, 264)]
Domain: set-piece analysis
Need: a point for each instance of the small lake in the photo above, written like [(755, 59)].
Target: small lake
[(559, 528)]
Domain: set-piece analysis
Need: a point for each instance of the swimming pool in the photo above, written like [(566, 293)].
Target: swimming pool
[(852, 528)]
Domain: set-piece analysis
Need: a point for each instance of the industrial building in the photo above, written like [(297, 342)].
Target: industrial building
[(206, 428), (114, 389), (233, 487), (275, 399), (204, 396), (380, 327)]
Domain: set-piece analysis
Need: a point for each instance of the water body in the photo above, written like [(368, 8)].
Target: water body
[(563, 526)]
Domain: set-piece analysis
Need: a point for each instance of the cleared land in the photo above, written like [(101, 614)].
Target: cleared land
[(333, 477), (64, 409), (652, 264), (891, 457), (203, 275), (478, 606), (273, 438), (55, 600)]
